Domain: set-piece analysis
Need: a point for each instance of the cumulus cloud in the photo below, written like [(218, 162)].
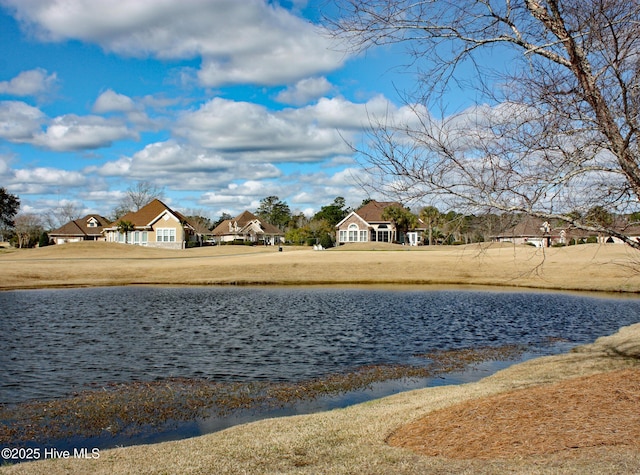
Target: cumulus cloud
[(29, 83), (111, 101), (19, 121), (41, 180), (340, 113), (304, 91), (22, 123), (72, 133), (236, 197), (248, 42), (256, 133), (182, 166)]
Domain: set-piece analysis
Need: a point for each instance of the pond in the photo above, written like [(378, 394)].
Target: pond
[(55, 343)]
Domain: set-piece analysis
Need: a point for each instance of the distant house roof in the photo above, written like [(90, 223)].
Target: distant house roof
[(90, 225), (527, 227), (146, 216), (238, 224), (530, 226), (371, 213), (373, 210)]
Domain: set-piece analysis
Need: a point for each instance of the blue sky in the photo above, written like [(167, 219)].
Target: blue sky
[(219, 102)]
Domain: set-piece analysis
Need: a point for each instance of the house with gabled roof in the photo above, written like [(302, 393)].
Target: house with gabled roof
[(88, 228), (543, 233), (366, 224), (157, 225), (249, 228)]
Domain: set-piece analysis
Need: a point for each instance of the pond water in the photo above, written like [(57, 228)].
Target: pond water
[(56, 342)]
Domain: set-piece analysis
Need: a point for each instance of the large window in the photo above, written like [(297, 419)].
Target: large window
[(353, 234), (166, 235), (383, 234), (140, 238)]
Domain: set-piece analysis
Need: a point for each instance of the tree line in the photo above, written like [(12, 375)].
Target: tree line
[(440, 227)]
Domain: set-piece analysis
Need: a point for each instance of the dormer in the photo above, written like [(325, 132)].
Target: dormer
[(92, 222)]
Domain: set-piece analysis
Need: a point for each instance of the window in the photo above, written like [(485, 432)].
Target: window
[(383, 236), (353, 233), (140, 237), (166, 235)]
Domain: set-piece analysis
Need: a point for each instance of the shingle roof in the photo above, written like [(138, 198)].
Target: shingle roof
[(242, 220), (80, 227), (147, 215), (372, 211)]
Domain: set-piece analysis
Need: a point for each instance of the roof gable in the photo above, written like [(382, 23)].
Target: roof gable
[(81, 227), (373, 210), (242, 223), (152, 212), (347, 217)]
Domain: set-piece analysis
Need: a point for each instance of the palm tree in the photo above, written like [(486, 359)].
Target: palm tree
[(125, 227), (431, 217), (402, 218)]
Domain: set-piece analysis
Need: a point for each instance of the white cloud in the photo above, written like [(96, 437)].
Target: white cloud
[(19, 121), (111, 101), (29, 83), (184, 167), (252, 41), (73, 133), (41, 180), (305, 91), (339, 113), (252, 132)]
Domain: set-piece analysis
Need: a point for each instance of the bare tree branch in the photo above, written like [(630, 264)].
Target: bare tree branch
[(553, 134)]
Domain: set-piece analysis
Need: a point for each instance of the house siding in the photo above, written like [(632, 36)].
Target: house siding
[(362, 231)]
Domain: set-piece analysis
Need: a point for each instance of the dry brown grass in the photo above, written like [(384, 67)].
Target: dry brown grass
[(586, 267), (588, 425)]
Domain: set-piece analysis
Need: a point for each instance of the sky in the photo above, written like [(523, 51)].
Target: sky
[(221, 103)]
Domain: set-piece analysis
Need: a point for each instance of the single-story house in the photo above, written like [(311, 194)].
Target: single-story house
[(366, 224), (247, 227), (543, 233), (156, 225), (88, 228)]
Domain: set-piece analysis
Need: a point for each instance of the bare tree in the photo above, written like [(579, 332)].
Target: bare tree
[(554, 128), (137, 196), (28, 227), (64, 213)]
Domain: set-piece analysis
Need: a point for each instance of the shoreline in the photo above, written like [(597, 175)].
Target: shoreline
[(355, 438)]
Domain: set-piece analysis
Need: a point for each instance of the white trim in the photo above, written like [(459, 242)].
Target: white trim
[(353, 213)]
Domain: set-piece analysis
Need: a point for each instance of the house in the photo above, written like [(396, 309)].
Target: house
[(156, 225), (366, 224), (247, 227), (88, 228), (542, 233)]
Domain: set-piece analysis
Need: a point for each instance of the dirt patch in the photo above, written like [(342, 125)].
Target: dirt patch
[(590, 412)]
